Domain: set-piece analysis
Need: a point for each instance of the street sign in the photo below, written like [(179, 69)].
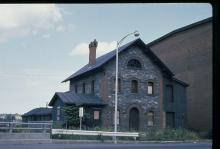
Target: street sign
[(80, 117), (81, 112)]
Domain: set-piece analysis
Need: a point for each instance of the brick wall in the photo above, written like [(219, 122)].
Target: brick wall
[(189, 55)]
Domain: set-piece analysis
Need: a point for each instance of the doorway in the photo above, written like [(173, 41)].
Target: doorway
[(134, 119)]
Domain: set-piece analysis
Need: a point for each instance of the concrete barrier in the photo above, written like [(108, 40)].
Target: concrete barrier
[(95, 133)]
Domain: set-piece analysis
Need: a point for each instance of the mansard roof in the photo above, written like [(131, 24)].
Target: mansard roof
[(70, 98), (102, 60), (190, 26), (39, 111)]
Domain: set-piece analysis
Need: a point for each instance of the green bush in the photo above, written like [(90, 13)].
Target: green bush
[(168, 135)]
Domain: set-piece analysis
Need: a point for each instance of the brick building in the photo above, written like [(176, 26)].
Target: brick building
[(188, 53), (149, 95)]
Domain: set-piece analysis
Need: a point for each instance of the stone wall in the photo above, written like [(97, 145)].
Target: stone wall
[(127, 100)]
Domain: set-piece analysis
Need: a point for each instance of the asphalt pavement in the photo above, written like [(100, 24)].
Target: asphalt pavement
[(109, 146)]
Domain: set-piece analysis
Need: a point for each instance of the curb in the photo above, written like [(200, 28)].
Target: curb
[(25, 141), (60, 141)]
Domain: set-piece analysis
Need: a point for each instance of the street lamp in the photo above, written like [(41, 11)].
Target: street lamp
[(136, 34)]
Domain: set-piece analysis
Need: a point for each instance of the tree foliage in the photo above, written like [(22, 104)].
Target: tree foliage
[(71, 114)]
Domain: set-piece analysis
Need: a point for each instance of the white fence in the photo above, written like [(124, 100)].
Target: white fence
[(9, 127), (95, 133)]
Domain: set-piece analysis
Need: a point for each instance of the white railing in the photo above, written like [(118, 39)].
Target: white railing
[(10, 127), (95, 133)]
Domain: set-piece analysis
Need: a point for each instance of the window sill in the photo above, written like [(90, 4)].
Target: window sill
[(151, 95)]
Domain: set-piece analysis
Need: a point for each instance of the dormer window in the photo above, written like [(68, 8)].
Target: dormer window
[(134, 63)]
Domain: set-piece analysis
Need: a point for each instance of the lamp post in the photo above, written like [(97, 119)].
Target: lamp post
[(136, 34)]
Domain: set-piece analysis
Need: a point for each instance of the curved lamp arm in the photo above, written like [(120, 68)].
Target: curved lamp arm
[(136, 34)]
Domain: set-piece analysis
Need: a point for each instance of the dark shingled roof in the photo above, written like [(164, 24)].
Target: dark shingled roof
[(180, 30), (70, 97), (39, 111), (100, 61)]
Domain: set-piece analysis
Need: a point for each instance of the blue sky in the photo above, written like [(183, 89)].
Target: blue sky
[(41, 45)]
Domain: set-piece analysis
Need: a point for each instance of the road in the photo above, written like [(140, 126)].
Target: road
[(109, 146)]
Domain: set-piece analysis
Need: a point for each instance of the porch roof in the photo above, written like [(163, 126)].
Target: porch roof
[(70, 97)]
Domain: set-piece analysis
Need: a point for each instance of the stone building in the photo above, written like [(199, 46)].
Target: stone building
[(187, 51), (149, 95)]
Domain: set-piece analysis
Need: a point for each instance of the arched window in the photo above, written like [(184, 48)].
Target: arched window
[(134, 86), (133, 63)]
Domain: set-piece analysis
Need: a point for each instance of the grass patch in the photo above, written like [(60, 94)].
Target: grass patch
[(169, 135), (150, 135)]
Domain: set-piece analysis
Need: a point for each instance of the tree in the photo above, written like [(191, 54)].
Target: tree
[(71, 114)]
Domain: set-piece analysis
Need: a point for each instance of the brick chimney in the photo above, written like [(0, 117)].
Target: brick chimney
[(92, 52)]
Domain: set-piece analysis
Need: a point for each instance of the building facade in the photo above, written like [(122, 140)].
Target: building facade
[(188, 53), (149, 95)]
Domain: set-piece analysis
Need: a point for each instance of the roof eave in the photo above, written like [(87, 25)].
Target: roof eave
[(52, 100), (180, 82), (180, 30), (83, 74)]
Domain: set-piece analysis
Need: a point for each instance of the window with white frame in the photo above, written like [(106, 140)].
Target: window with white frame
[(150, 88), (96, 115), (150, 117)]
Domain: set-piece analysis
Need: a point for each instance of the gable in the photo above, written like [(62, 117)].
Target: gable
[(146, 65), (102, 60)]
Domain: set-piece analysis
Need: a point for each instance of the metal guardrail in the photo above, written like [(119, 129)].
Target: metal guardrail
[(95, 133), (9, 127)]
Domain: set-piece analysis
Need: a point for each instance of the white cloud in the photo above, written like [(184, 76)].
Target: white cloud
[(23, 19), (60, 28), (46, 36), (103, 47)]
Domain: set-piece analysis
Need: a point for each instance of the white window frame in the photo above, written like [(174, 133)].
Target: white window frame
[(150, 88), (150, 123), (96, 115)]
